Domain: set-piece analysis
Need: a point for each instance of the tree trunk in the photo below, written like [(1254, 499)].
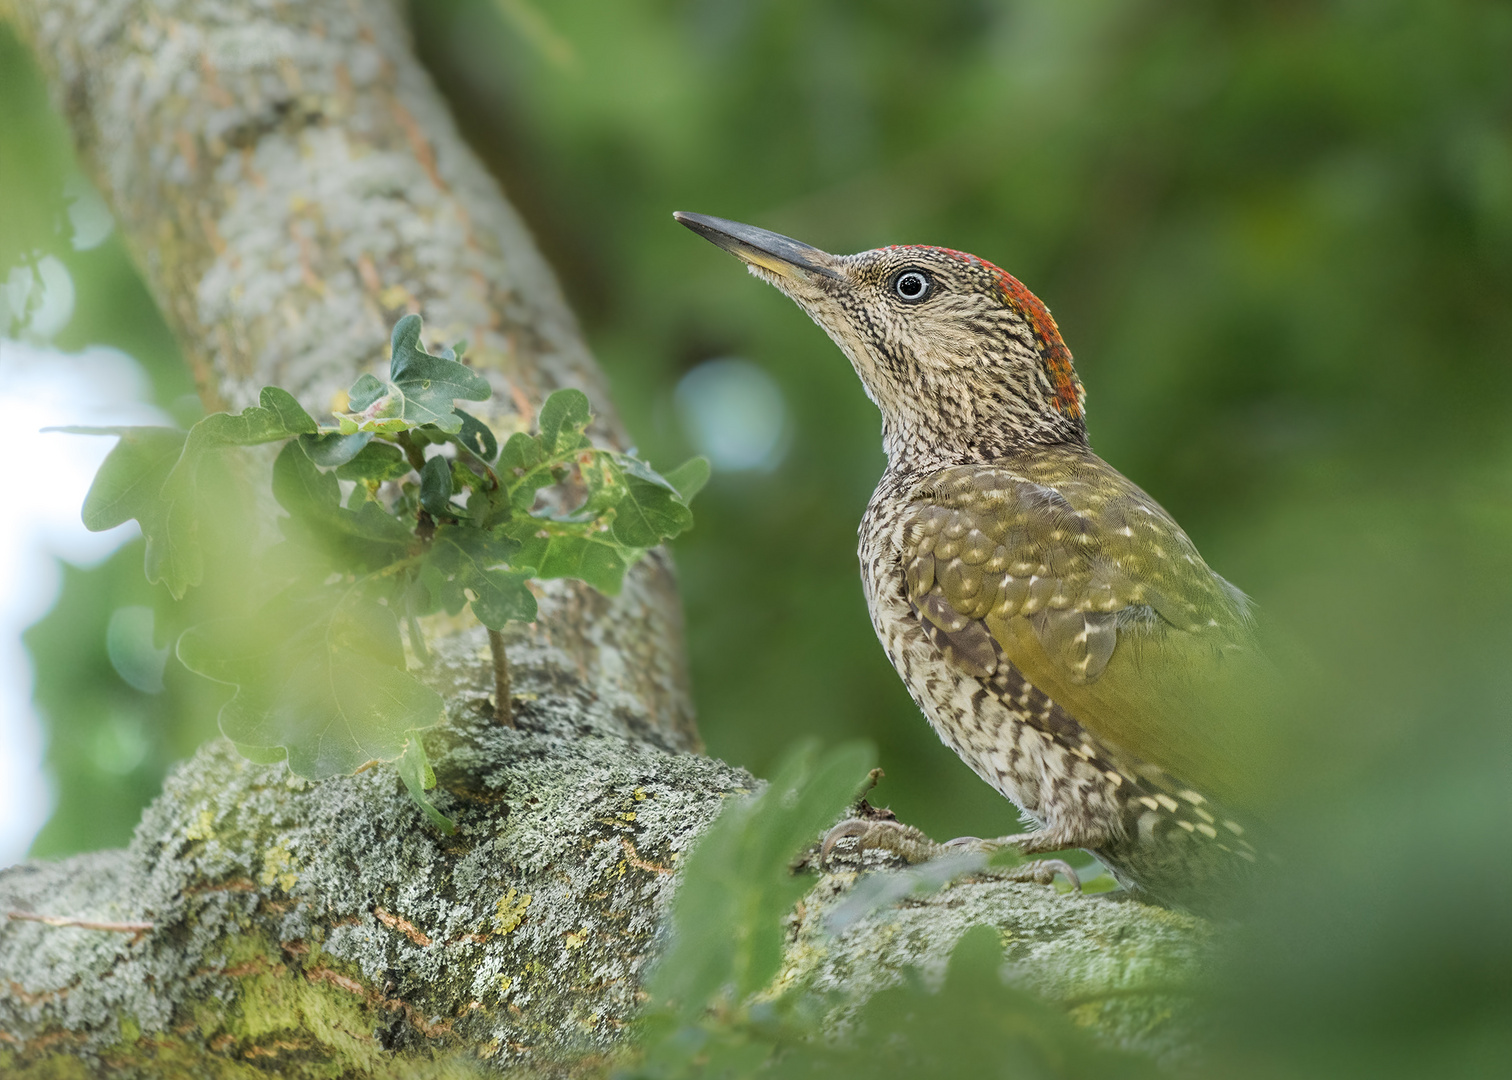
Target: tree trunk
[(289, 183)]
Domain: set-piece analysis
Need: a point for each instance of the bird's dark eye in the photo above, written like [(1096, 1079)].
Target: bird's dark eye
[(912, 286)]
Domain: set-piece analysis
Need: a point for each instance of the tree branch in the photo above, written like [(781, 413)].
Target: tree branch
[(289, 182), (503, 693)]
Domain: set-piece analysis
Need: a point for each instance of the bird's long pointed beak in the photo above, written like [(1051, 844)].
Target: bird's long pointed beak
[(768, 250)]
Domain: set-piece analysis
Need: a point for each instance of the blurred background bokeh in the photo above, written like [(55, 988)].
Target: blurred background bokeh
[(1277, 238)]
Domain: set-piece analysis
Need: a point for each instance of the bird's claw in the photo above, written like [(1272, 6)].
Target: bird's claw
[(1039, 871), (904, 841), (911, 845), (1043, 871), (850, 827)]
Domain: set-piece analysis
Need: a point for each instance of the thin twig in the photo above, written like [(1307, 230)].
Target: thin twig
[(414, 453), (503, 711), (82, 924)]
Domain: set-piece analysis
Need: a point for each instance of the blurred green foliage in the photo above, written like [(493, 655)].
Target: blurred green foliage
[(1278, 239), (109, 742)]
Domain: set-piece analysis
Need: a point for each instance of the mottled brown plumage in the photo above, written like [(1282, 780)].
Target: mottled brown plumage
[(1056, 626)]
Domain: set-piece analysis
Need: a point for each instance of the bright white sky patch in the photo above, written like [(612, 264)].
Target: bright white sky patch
[(46, 479)]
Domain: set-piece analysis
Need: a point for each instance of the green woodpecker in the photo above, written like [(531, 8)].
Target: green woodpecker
[(1056, 626)]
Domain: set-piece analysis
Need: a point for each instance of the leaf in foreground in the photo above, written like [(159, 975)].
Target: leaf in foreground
[(363, 539), (727, 920), (129, 485), (415, 771), (976, 1024), (152, 475), (321, 675)]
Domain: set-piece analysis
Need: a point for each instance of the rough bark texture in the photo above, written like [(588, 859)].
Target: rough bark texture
[(1122, 968), (290, 182), (324, 929)]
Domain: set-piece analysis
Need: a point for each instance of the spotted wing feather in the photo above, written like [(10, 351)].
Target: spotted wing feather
[(1100, 599)]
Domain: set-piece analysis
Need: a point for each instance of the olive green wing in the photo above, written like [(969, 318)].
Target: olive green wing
[(1065, 569)]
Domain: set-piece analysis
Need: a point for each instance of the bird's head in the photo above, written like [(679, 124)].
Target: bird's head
[(962, 360)]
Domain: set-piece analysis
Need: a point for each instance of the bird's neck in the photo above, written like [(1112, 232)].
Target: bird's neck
[(912, 446)]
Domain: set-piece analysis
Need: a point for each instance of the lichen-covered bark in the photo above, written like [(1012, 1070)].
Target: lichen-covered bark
[(1124, 969), (289, 182), (323, 929)]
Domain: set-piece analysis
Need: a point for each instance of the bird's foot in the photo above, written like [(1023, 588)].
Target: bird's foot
[(886, 834), (913, 846), (1039, 871)]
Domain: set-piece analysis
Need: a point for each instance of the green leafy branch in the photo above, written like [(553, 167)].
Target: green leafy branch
[(407, 506)]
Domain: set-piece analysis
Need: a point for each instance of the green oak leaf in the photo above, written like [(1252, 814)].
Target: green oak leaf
[(367, 538), (522, 451), (375, 407), (488, 498), (333, 448), (128, 481), (440, 591), (648, 513), (520, 468), (262, 755), (563, 417), (318, 673), (436, 489), (289, 414), (277, 416), (465, 558), (690, 477), (599, 562), (301, 488), (418, 776), (477, 437), (430, 435), (647, 508), (375, 463), (152, 475), (368, 391), (727, 917), (422, 388), (503, 596), (430, 384)]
